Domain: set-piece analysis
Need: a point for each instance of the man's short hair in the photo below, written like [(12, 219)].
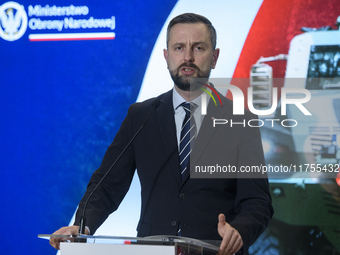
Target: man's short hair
[(192, 18)]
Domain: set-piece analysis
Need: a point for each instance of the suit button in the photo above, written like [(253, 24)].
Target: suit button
[(173, 223), (182, 195)]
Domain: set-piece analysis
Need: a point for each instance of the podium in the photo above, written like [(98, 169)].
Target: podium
[(152, 245)]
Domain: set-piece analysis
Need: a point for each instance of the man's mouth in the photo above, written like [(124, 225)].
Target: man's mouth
[(187, 70)]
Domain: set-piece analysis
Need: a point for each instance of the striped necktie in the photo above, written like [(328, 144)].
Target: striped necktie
[(188, 135)]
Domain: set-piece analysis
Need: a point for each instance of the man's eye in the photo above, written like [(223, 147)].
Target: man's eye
[(199, 48), (178, 48)]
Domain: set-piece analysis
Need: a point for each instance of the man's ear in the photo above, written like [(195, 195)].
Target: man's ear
[(166, 53), (216, 53)]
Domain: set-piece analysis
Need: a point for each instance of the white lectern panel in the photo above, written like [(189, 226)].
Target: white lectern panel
[(114, 249)]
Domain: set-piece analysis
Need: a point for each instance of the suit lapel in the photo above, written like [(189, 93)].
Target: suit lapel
[(165, 113)]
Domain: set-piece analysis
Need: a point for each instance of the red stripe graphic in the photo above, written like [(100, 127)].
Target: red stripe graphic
[(71, 37)]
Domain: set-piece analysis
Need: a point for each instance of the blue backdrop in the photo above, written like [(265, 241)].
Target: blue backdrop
[(61, 104)]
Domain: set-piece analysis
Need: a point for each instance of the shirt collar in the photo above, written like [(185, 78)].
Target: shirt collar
[(177, 99)]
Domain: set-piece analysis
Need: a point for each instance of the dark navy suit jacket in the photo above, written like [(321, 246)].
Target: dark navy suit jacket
[(168, 200)]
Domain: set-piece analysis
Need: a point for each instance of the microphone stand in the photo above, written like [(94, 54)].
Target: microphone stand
[(82, 223)]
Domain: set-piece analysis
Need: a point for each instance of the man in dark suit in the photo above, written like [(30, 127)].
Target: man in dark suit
[(236, 210)]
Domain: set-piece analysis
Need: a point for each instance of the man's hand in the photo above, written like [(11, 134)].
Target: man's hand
[(232, 241), (71, 230)]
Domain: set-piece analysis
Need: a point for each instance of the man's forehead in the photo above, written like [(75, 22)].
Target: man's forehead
[(193, 31)]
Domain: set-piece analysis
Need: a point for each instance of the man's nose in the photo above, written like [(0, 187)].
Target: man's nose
[(189, 55)]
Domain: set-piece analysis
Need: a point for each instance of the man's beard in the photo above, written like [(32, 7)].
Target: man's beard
[(186, 83)]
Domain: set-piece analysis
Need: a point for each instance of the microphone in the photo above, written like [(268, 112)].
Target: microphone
[(82, 223)]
